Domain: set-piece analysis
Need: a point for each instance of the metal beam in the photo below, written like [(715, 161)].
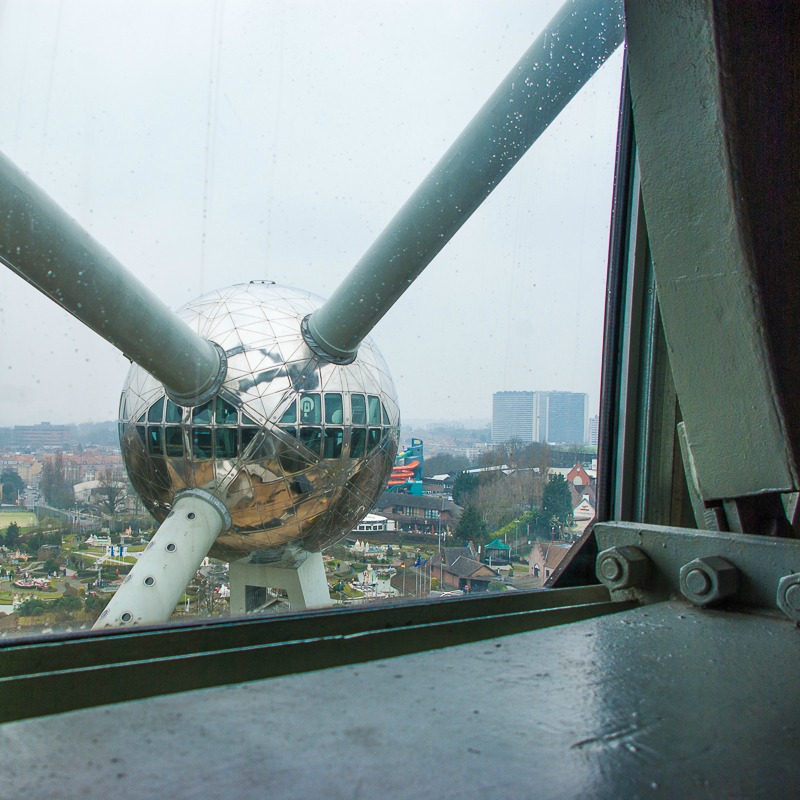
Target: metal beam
[(45, 246), (151, 590), (707, 276), (575, 44), (38, 678), (763, 563)]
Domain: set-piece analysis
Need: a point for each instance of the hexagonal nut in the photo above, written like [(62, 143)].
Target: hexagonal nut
[(788, 596), (622, 567), (708, 580)]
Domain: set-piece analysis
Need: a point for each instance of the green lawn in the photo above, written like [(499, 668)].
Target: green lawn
[(24, 519)]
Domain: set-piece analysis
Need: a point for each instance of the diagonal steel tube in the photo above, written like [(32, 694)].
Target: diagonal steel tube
[(150, 592), (573, 46), (45, 246)]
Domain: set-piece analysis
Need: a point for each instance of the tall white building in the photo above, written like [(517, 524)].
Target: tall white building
[(512, 416), (567, 418), (555, 417), (594, 430)]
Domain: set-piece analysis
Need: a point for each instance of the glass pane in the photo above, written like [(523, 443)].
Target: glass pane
[(333, 442), (265, 448), (292, 462), (226, 442), (290, 415), (173, 441), (154, 440), (374, 439), (201, 444), (311, 438), (226, 414), (333, 409), (374, 405), (202, 414), (248, 434), (174, 413), (155, 411), (526, 235), (309, 409), (358, 405), (358, 442)]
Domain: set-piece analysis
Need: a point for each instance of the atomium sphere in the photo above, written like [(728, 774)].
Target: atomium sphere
[(297, 448)]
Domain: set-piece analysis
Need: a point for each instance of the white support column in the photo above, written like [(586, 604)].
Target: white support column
[(150, 592), (299, 573)]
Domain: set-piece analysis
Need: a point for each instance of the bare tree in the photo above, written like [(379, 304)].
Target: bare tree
[(110, 494)]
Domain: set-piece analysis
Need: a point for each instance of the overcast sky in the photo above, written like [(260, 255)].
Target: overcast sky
[(211, 143)]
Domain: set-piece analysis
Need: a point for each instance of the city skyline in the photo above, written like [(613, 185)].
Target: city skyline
[(193, 186)]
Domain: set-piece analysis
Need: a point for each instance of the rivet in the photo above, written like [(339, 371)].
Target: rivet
[(190, 515), (126, 617), (149, 580), (171, 547)]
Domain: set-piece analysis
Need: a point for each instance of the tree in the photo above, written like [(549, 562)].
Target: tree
[(467, 485), (464, 486), (57, 492), (444, 463), (556, 500), (496, 456), (13, 486), (498, 502), (12, 535), (471, 525), (111, 492), (32, 607), (96, 604)]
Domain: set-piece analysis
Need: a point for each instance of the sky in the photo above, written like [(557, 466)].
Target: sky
[(207, 143)]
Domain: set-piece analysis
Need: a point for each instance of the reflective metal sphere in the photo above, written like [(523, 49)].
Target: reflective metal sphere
[(297, 448)]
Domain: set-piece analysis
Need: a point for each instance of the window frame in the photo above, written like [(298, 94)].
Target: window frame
[(38, 674)]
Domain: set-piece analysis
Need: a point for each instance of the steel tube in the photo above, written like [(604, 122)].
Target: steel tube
[(577, 41), (154, 585), (51, 251)]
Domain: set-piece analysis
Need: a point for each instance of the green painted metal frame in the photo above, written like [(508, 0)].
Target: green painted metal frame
[(50, 676), (705, 270), (760, 560)]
